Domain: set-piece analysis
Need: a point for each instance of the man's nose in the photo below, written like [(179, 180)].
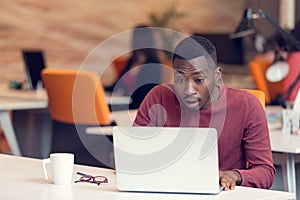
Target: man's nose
[(190, 88)]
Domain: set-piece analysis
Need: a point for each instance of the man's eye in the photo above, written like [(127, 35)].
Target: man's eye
[(199, 80), (180, 80)]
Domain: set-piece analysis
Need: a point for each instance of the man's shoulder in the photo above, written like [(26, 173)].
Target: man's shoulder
[(160, 93), (241, 95), (163, 89), (236, 91)]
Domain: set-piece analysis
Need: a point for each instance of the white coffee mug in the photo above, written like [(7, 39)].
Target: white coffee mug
[(61, 167)]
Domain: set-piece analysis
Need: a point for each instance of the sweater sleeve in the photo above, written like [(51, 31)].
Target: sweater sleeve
[(256, 141), (146, 111)]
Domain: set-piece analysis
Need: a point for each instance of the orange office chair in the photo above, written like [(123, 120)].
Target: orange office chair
[(167, 74), (260, 95), (74, 96), (119, 64), (76, 101), (4, 146), (258, 67), (278, 158)]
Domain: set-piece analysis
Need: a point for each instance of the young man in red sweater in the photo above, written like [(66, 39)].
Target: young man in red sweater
[(198, 98)]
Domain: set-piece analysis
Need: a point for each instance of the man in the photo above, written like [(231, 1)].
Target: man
[(199, 99)]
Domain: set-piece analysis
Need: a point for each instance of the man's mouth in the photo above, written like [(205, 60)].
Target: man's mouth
[(192, 101)]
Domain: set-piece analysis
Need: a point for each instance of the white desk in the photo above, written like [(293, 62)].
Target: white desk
[(17, 101), (42, 94), (122, 118), (288, 145), (117, 100), (285, 148), (22, 178)]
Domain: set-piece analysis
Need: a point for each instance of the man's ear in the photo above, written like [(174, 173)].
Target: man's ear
[(218, 76)]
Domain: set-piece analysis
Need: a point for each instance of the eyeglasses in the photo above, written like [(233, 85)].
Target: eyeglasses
[(91, 179)]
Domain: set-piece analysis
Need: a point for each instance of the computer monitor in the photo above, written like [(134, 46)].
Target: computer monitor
[(229, 51), (34, 64)]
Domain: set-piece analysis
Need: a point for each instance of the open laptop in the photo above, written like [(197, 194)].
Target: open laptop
[(34, 64), (166, 159)]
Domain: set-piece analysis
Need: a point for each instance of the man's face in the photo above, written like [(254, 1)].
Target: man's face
[(195, 82)]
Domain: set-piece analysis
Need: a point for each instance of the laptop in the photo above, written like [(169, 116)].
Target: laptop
[(166, 159), (34, 64)]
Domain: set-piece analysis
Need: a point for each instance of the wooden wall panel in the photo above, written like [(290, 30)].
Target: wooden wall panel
[(68, 30)]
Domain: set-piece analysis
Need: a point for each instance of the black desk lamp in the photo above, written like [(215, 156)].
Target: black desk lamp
[(246, 26), (278, 70)]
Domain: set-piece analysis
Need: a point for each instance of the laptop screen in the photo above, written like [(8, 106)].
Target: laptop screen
[(34, 64), (166, 159)]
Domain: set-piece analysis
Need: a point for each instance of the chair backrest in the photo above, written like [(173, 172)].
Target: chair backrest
[(260, 95), (166, 74), (258, 67), (119, 64), (76, 97)]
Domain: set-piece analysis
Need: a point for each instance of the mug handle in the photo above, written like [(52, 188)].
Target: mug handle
[(44, 162)]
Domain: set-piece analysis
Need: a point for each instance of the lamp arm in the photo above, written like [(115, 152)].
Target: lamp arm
[(292, 87), (278, 28)]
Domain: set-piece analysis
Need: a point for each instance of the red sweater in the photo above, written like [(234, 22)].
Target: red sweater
[(239, 119)]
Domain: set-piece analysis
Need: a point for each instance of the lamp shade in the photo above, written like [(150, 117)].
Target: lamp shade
[(277, 71), (245, 26)]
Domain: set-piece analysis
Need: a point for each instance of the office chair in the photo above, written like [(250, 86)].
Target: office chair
[(278, 158), (119, 64), (258, 67), (259, 94), (76, 101)]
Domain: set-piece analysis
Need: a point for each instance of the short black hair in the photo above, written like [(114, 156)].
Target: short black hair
[(193, 47)]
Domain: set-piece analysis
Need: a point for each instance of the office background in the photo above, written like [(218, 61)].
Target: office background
[(68, 30)]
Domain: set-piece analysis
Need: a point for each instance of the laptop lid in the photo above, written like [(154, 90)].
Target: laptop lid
[(166, 159), (34, 64)]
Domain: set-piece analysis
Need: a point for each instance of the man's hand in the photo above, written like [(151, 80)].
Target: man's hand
[(229, 179)]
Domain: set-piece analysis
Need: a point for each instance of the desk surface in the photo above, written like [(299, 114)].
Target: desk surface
[(284, 143), (14, 103), (17, 99), (7, 94), (22, 178), (281, 142), (122, 118)]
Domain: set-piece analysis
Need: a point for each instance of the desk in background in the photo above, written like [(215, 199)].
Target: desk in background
[(285, 148), (288, 147), (31, 99), (122, 118), (22, 178), (6, 92), (17, 101)]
